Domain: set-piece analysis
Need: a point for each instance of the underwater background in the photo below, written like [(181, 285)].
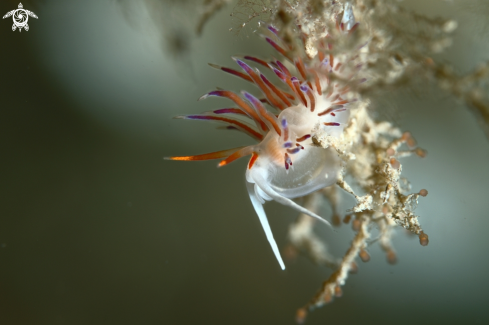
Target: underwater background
[(96, 228)]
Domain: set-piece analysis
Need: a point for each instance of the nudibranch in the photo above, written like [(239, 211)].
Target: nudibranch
[(285, 163)]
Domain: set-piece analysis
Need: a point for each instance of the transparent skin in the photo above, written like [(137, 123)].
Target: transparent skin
[(311, 169)]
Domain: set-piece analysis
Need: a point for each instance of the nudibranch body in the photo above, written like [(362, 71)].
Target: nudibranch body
[(286, 164)]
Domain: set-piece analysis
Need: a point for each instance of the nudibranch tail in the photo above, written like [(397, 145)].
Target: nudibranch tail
[(311, 94)]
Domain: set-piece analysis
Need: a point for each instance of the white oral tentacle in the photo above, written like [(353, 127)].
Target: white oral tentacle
[(264, 222)]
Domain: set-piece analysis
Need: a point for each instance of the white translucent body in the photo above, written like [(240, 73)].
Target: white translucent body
[(312, 168)]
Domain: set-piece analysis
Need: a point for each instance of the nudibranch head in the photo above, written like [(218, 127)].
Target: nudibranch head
[(285, 163)]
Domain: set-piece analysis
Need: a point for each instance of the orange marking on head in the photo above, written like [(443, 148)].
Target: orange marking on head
[(273, 151)]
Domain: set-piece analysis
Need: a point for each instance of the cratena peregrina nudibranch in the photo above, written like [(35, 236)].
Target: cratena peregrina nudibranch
[(286, 164)]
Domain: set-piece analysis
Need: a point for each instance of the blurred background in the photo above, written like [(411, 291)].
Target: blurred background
[(96, 228)]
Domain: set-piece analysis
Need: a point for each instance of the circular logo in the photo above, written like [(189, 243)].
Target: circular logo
[(20, 17)]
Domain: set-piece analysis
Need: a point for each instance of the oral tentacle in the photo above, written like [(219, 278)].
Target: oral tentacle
[(260, 181), (264, 223)]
